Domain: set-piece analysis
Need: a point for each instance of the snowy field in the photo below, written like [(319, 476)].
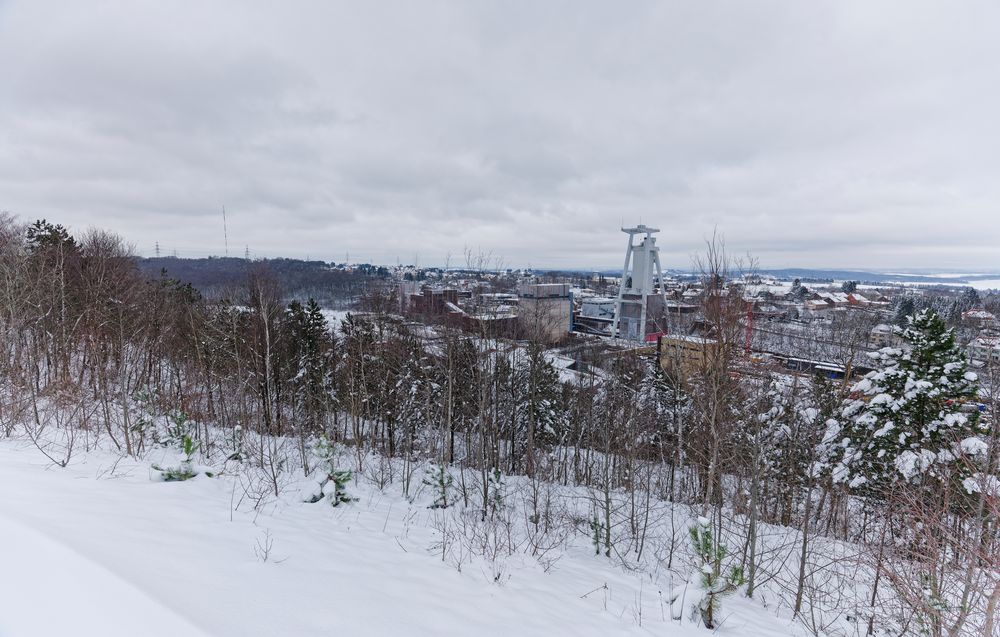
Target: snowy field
[(101, 548), (985, 284)]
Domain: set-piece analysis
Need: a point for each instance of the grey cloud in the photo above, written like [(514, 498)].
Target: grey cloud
[(822, 133)]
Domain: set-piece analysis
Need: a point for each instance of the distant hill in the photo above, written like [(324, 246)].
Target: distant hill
[(332, 285), (862, 276), (848, 275), (878, 277)]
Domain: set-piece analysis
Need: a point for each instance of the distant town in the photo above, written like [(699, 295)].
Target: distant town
[(798, 325)]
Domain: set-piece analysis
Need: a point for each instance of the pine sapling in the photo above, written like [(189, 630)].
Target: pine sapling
[(235, 444), (177, 427), (333, 486), (340, 479), (440, 481), (185, 470), (711, 584), (597, 532), (496, 488)]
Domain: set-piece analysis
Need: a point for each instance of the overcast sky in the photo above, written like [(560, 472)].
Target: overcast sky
[(850, 134)]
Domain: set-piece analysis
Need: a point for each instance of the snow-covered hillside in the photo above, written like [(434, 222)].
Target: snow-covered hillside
[(100, 548)]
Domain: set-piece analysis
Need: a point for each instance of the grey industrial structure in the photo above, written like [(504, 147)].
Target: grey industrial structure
[(640, 308)]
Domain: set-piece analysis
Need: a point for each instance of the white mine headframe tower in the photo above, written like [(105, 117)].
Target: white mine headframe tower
[(642, 261)]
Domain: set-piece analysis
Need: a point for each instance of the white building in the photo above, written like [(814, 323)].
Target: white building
[(985, 348), (884, 335)]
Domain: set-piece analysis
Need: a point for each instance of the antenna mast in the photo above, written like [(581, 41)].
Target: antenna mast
[(225, 230)]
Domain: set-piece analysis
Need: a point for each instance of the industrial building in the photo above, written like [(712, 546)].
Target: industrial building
[(427, 301), (545, 311), (598, 307), (683, 355), (641, 305)]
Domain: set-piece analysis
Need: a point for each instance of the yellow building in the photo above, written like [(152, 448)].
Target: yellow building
[(681, 355)]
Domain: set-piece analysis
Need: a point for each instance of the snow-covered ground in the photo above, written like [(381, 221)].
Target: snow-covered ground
[(334, 318), (100, 548), (50, 589), (985, 284)]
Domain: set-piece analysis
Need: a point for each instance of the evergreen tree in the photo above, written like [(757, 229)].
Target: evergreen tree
[(709, 583), (779, 438), (543, 395), (953, 315), (440, 482), (906, 422), (799, 292), (332, 485), (311, 343), (669, 400), (970, 299), (905, 308), (42, 235)]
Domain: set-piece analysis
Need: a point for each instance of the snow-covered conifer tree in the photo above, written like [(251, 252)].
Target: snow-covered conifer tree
[(905, 421)]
